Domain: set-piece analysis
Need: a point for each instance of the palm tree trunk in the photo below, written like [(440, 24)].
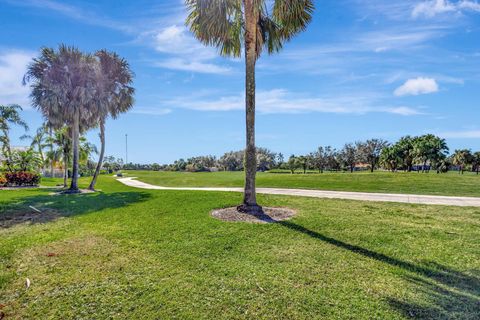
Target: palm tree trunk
[(51, 151), (100, 158), (65, 170), (76, 129), (249, 198)]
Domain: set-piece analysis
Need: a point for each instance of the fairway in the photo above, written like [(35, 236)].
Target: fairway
[(147, 254), (450, 184)]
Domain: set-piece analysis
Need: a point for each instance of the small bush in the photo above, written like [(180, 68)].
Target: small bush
[(3, 181), (22, 178)]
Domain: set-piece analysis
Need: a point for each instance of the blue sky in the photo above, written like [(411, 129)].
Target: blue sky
[(362, 69)]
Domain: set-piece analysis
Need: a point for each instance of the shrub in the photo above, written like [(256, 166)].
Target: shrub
[(22, 178), (3, 181)]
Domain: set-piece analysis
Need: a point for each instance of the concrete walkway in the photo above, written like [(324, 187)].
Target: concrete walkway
[(363, 196)]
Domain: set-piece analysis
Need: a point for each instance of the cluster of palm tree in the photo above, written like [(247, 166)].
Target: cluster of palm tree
[(9, 116), (426, 151), (76, 92), (254, 26)]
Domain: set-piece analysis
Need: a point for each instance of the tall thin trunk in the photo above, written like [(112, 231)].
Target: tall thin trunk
[(51, 152), (100, 158), (249, 199), (76, 133), (65, 169)]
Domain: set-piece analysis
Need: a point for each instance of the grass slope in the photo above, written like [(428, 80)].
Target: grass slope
[(411, 183), (140, 254)]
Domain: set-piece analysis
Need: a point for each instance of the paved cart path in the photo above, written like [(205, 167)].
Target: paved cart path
[(363, 196)]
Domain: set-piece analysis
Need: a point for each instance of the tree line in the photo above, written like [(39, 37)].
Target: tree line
[(419, 153)]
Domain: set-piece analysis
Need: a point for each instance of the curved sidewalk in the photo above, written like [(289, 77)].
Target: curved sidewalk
[(363, 196)]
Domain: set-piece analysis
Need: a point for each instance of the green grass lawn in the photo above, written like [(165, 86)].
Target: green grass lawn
[(146, 254), (452, 183)]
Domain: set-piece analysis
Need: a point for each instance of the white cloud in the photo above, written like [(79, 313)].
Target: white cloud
[(151, 111), (471, 5), (432, 8), (13, 65), (76, 13), (183, 52), (414, 87), (279, 101), (194, 66), (468, 134)]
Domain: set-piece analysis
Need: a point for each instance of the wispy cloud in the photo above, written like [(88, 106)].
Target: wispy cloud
[(279, 101), (466, 134), (13, 65), (168, 36), (432, 8), (417, 86), (183, 52), (74, 12), (153, 111)]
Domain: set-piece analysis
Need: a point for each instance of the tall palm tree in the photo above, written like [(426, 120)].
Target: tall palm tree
[(225, 24), (9, 115), (115, 96), (63, 89)]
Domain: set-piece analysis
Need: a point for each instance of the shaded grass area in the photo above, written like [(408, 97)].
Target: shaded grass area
[(452, 183), (125, 253)]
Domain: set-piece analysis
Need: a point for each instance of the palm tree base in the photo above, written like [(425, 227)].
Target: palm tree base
[(250, 209)]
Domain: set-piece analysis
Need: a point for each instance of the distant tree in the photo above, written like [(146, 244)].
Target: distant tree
[(429, 149), (180, 165), (155, 167), (266, 159), (303, 162), (369, 151), (9, 115), (232, 161), (255, 25), (391, 157), (349, 156), (280, 159), (462, 158), (476, 162), (405, 147), (320, 158), (292, 163)]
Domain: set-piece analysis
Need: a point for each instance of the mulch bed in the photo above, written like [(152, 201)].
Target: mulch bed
[(270, 215)]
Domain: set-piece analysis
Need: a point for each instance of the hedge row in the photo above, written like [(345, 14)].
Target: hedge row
[(21, 178)]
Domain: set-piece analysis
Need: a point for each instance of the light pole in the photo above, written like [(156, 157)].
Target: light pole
[(126, 149)]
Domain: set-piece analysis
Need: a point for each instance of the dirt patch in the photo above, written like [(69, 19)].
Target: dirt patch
[(13, 217), (270, 215)]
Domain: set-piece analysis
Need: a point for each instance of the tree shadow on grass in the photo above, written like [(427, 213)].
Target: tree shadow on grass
[(45, 207), (451, 294)]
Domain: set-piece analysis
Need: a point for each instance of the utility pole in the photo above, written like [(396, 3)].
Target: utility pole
[(126, 149)]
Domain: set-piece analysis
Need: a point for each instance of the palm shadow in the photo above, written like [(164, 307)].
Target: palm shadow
[(453, 294), (47, 207)]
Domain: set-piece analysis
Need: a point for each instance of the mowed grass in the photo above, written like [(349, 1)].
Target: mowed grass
[(452, 184), (137, 254)]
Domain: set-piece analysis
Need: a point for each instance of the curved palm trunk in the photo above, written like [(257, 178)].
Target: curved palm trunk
[(249, 198), (76, 134), (100, 158)]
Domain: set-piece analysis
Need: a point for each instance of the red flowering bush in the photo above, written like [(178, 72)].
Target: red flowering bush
[(3, 181), (22, 178)]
